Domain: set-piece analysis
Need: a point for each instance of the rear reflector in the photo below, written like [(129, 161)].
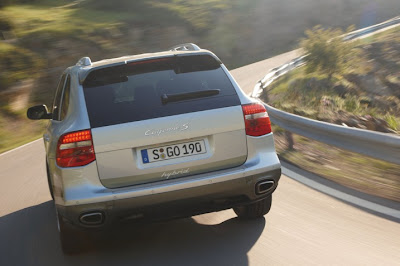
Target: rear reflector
[(75, 149), (256, 120)]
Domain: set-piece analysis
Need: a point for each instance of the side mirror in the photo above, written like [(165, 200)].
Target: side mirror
[(38, 112)]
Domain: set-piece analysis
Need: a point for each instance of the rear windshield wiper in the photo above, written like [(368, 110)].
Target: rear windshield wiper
[(167, 98)]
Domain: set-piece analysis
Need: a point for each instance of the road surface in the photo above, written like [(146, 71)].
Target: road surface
[(304, 227)]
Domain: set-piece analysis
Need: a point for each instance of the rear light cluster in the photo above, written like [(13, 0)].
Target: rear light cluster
[(75, 149), (256, 119)]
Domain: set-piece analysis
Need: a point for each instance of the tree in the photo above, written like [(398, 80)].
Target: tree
[(328, 54)]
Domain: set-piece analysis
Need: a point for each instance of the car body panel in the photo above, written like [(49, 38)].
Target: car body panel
[(117, 147), (234, 162), (81, 185)]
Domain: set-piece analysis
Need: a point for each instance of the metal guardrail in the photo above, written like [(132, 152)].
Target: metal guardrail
[(361, 32), (374, 144)]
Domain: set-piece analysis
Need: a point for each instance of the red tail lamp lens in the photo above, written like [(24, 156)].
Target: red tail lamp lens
[(75, 149), (256, 120)]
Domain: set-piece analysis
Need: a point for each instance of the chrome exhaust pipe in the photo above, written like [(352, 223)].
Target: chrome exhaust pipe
[(265, 186), (92, 218)]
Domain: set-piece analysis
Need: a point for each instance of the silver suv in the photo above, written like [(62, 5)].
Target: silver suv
[(155, 136)]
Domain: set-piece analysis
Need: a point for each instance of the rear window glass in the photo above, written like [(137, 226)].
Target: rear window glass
[(135, 91)]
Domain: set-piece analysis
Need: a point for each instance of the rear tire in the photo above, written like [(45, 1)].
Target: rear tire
[(49, 181), (254, 210), (72, 240)]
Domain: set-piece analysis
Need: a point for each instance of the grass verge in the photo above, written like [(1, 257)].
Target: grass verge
[(350, 169), (16, 130)]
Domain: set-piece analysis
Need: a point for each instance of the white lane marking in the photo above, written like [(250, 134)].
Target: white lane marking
[(20, 147), (343, 196)]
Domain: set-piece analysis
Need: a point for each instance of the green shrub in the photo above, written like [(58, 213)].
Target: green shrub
[(392, 121), (338, 102), (351, 104), (329, 54)]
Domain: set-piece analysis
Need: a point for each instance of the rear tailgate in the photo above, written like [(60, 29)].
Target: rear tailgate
[(139, 139), (121, 163)]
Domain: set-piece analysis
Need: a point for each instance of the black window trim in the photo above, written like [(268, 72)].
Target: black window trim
[(67, 76), (67, 79)]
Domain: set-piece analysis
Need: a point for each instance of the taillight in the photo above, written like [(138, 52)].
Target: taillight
[(75, 149), (256, 119)]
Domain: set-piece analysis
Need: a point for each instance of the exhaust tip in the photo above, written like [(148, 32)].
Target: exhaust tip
[(265, 186), (92, 218)]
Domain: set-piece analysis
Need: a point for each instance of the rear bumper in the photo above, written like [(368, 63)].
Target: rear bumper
[(175, 204), (79, 191)]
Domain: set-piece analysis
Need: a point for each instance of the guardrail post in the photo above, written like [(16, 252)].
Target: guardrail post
[(289, 139)]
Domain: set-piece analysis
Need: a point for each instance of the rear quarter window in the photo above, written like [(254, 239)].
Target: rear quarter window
[(133, 92)]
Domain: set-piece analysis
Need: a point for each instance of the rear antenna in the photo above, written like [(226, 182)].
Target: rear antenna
[(185, 47)]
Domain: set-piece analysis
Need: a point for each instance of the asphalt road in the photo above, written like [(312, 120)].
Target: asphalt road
[(304, 227)]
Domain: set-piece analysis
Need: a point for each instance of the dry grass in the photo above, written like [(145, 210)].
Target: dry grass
[(350, 169)]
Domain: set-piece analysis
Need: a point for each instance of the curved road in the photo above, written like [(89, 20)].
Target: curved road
[(304, 226)]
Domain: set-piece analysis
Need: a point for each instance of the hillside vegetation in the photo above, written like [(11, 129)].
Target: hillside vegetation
[(40, 38), (353, 83)]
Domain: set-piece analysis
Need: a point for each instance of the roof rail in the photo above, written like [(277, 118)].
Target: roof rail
[(84, 61), (185, 47)]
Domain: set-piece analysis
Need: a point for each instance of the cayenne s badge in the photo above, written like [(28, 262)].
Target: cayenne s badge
[(158, 132)]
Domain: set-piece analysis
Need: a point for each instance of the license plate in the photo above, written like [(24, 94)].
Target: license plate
[(173, 151)]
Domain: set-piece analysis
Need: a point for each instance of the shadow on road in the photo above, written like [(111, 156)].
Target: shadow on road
[(30, 237)]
